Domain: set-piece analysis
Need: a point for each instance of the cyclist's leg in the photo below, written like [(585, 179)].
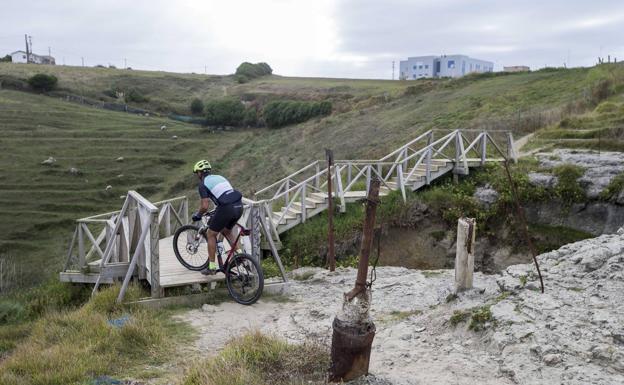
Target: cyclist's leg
[(235, 213), (215, 226), (212, 244)]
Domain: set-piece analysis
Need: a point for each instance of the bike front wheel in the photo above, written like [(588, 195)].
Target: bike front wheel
[(190, 247), (244, 278)]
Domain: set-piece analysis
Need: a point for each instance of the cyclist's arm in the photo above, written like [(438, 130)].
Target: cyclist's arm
[(204, 199), (204, 205)]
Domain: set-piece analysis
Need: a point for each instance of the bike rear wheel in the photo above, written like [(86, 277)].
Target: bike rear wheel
[(244, 278), (190, 247)]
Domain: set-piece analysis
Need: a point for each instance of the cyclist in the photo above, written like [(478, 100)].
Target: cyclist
[(229, 209)]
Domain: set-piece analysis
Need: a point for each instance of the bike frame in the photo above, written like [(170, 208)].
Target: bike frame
[(241, 232)]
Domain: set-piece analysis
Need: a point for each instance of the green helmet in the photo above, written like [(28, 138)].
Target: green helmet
[(202, 165)]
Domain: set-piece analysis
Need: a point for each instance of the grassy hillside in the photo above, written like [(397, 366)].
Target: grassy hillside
[(173, 92), (38, 203)]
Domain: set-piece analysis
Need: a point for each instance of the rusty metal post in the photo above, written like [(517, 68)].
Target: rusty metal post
[(353, 329), (331, 254)]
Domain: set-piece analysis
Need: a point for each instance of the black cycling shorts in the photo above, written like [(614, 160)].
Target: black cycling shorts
[(226, 216)]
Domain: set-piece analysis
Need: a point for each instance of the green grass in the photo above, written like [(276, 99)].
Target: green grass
[(75, 346), (399, 315), (260, 359), (479, 318), (547, 238), (615, 187), (39, 202), (45, 200)]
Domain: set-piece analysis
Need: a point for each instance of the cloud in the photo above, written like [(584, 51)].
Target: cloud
[(343, 38)]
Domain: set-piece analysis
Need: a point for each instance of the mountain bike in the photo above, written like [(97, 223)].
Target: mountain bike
[(243, 275)]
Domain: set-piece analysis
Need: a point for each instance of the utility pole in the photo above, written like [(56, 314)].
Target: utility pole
[(331, 254), (393, 70), (205, 69), (82, 58), (49, 51)]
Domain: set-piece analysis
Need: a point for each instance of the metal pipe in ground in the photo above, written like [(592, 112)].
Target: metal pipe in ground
[(353, 329)]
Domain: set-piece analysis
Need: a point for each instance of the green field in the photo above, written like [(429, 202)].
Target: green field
[(38, 203)]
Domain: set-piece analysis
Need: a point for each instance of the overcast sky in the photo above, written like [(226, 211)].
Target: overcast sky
[(339, 38)]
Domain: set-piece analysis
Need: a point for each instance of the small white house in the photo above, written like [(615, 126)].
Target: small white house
[(20, 57)]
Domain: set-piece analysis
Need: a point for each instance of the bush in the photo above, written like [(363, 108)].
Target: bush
[(43, 82), (136, 96), (11, 312), (250, 117), (601, 90), (6, 59), (225, 112), (197, 106), (248, 71), (568, 188), (282, 113)]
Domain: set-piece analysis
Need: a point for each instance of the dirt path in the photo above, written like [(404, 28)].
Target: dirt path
[(413, 345), (573, 334)]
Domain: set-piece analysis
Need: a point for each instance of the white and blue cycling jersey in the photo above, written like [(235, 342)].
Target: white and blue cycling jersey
[(219, 190)]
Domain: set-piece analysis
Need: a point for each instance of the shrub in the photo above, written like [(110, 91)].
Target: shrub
[(250, 117), (601, 90), (606, 108), (11, 311), (248, 71), (197, 106), (614, 188), (6, 59), (225, 112), (568, 188), (136, 96), (43, 82), (282, 113)]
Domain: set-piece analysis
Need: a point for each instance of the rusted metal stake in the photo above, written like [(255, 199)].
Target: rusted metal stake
[(523, 223), (331, 254), (367, 239), (353, 329)]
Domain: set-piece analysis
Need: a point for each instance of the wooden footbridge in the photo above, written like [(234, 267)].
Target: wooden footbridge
[(136, 241)]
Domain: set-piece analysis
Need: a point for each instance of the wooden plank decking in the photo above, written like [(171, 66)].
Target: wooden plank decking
[(172, 273)]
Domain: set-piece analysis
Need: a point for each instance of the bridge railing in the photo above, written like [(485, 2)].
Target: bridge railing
[(125, 239), (421, 156)]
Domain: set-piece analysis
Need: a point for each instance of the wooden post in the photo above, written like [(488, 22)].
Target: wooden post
[(331, 256), (317, 178), (167, 207), (511, 150), (81, 249), (254, 220), (483, 147), (154, 229), (353, 329), (464, 259), (303, 203)]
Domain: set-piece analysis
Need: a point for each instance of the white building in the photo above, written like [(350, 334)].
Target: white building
[(453, 66), (20, 57)]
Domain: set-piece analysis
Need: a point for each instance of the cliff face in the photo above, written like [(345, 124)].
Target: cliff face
[(574, 333)]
